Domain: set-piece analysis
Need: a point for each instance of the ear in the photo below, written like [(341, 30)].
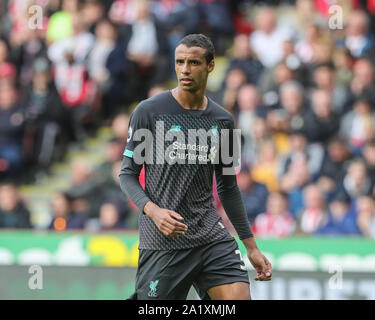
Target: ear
[(211, 66)]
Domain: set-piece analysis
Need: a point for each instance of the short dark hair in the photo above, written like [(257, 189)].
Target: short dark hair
[(202, 41)]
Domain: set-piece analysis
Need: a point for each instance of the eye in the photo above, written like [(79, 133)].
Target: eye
[(194, 62)]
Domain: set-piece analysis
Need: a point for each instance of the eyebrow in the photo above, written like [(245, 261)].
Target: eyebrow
[(189, 59)]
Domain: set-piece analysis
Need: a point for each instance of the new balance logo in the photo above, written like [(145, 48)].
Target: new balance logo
[(175, 128), (214, 130)]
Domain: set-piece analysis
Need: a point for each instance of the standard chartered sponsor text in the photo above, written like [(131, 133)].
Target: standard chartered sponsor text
[(173, 146)]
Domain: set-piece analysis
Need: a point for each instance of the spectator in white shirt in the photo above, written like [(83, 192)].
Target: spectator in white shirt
[(267, 40)]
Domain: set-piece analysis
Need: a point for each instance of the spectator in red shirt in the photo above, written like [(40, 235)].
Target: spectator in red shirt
[(276, 221)]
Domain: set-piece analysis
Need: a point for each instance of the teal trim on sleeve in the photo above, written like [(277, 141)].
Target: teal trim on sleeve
[(128, 153)]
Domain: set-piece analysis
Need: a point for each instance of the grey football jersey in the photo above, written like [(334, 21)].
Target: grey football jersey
[(179, 167)]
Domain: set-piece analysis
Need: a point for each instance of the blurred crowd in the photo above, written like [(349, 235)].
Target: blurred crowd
[(300, 87)]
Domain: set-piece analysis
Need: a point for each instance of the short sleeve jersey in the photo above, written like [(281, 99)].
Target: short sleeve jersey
[(180, 150)]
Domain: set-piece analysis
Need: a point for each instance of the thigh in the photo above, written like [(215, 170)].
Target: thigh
[(166, 275), (223, 275), (230, 291)]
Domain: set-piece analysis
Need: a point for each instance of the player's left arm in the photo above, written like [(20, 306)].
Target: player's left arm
[(230, 197), (232, 202)]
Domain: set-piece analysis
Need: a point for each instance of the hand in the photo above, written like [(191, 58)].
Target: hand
[(165, 220), (261, 264)]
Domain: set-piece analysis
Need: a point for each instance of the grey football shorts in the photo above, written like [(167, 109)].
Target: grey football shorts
[(169, 274)]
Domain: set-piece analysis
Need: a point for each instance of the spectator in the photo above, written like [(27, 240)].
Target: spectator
[(110, 217), (8, 73), (294, 181), (47, 119), (287, 69), (106, 67), (147, 50), (356, 181), (254, 194), (358, 126), (13, 212), (259, 133), (322, 49), (290, 113), (18, 28), (120, 127), (334, 165), (366, 215), (369, 158), (272, 79), (265, 168), (324, 80), (268, 38), (4, 51), (299, 146), (112, 193), (248, 101), (343, 68), (63, 216), (340, 220), (12, 127), (357, 36), (92, 13), (75, 47), (123, 11), (306, 14), (369, 8), (180, 18), (26, 53), (113, 151), (77, 91), (7, 68), (321, 123), (227, 95), (305, 46), (218, 21), (105, 42), (276, 221), (243, 58), (104, 187), (83, 192), (315, 211), (60, 24), (322, 52), (290, 57), (363, 82)]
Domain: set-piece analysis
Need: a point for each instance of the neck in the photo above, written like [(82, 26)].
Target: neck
[(190, 100)]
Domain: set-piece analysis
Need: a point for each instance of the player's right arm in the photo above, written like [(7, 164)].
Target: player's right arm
[(167, 221)]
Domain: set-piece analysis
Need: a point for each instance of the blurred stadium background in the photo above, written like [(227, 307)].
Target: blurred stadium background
[(298, 77)]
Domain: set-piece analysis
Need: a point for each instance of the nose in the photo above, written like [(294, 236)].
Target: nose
[(185, 68)]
